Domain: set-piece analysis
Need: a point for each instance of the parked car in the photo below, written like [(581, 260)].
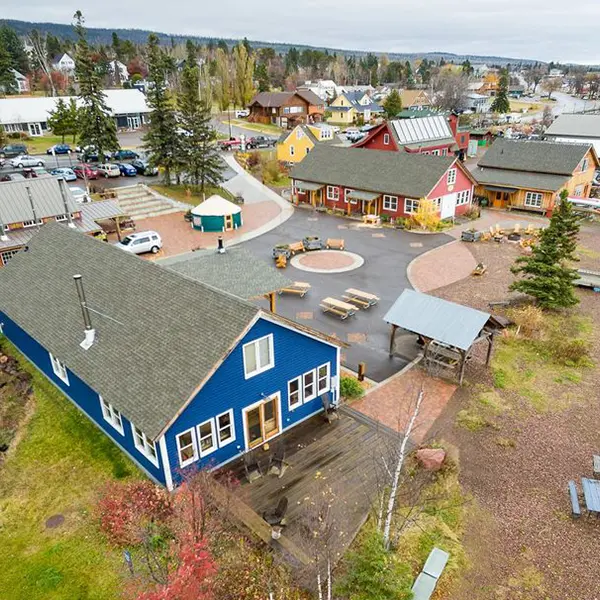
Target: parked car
[(12, 177), (242, 113), (138, 243), (231, 144), (109, 170), (90, 154), (127, 170), (59, 149), (125, 155), (354, 134), (80, 195), (65, 172), (12, 150), (260, 141), (84, 171), (33, 172), (143, 167), (23, 160)]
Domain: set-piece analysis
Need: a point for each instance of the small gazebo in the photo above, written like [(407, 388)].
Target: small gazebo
[(216, 214)]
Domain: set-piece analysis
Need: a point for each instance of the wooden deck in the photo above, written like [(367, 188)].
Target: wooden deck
[(335, 460)]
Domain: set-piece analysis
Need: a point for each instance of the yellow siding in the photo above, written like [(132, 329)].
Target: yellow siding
[(299, 145), (583, 178)]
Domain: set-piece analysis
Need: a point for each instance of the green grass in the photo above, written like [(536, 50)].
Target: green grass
[(190, 194), (58, 468), (260, 127)]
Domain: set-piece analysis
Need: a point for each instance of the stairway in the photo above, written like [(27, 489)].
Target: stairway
[(139, 202)]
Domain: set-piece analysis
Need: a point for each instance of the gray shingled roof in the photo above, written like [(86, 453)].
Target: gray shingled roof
[(236, 271), (444, 321), (519, 179), (585, 126), (536, 157), (277, 99), (158, 334), (396, 173), (15, 206)]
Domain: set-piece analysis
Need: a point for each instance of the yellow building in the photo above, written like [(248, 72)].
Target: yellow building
[(295, 144), (530, 175), (347, 107)]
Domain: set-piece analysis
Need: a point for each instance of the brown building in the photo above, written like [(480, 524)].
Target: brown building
[(286, 109)]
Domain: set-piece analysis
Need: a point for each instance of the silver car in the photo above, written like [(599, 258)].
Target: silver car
[(139, 243), (24, 160)]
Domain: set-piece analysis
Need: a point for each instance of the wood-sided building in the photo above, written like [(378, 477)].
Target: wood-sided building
[(286, 109)]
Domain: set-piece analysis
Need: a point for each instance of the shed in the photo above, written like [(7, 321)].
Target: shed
[(448, 331), (216, 214)]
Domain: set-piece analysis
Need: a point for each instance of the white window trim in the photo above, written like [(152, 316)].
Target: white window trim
[(300, 390), (463, 197), (111, 415), (435, 152), (194, 458), (386, 139), (232, 426), (387, 202), (411, 201), (259, 370), (532, 198), (59, 368), (451, 177), (213, 432), (328, 386), (333, 192), (305, 398), (585, 164), (142, 448)]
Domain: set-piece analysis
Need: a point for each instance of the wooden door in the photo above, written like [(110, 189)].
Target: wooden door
[(270, 417), (254, 430), (228, 222), (262, 421)]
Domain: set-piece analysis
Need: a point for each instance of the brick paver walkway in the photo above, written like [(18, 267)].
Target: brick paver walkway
[(392, 403), (326, 260)]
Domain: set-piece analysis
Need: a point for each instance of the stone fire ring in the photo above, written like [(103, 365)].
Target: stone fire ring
[(327, 261)]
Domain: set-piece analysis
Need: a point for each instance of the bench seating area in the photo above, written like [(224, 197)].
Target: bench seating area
[(297, 247), (575, 508), (335, 244), (299, 288), (337, 307)]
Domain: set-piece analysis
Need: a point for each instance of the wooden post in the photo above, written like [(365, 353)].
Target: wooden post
[(272, 302), (463, 363), (118, 224), (362, 367), (392, 336), (490, 348)]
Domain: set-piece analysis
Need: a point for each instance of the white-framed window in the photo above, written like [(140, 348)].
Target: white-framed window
[(292, 150), (347, 193), (444, 151), (144, 445), (579, 191), (390, 203), (410, 205), (59, 369), (333, 192), (436, 203), (207, 438), (6, 256), (323, 379), (296, 109), (533, 199), (32, 223), (435, 152), (225, 428), (309, 389), (258, 356), (451, 178), (585, 164), (60, 218), (386, 139), (426, 152), (294, 393), (299, 133), (112, 415), (463, 197), (187, 451)]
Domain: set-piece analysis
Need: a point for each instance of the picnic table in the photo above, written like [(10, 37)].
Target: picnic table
[(363, 299), (591, 494), (297, 287), (337, 307)]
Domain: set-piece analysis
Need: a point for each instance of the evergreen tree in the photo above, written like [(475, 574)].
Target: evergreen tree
[(8, 84), (96, 126), (392, 104), (199, 149), (14, 46), (501, 103), (162, 140), (546, 274), (262, 77), (58, 119)]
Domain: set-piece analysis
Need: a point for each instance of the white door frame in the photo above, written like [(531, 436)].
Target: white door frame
[(35, 129), (276, 395), (448, 206)]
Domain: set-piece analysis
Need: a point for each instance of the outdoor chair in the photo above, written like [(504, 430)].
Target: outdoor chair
[(277, 464), (330, 410), (252, 468), (276, 516)]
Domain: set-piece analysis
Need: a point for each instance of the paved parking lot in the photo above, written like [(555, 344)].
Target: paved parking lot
[(386, 253)]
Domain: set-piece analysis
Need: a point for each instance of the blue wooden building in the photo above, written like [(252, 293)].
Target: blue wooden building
[(177, 373)]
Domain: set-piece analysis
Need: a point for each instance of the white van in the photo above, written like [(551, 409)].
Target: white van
[(139, 243)]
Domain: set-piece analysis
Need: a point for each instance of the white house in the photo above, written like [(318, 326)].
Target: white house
[(128, 107), (478, 102), (21, 82), (64, 63), (324, 88), (119, 71), (480, 69)]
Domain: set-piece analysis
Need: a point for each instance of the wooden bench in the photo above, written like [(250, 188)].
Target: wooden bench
[(371, 299), (296, 247), (337, 307), (298, 287), (356, 301), (335, 243), (575, 508)]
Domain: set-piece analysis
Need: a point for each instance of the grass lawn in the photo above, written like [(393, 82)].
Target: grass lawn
[(189, 194), (58, 468), (39, 145), (260, 127)]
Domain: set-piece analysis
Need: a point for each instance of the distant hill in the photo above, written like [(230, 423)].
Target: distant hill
[(140, 36)]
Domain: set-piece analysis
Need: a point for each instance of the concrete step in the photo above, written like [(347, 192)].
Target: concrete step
[(159, 213), (141, 203)]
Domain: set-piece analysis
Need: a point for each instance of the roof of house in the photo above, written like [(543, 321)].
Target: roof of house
[(354, 97), (17, 74), (286, 134), (398, 173), (277, 99), (533, 156), (310, 97), (519, 179), (408, 97), (421, 130), (412, 113), (438, 319), (46, 196), (236, 271), (159, 335), (586, 126), (216, 206)]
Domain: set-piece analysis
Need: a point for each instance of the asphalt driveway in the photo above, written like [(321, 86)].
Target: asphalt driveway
[(386, 253)]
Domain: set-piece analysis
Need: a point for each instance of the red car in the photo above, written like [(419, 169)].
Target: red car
[(84, 171), (231, 144)]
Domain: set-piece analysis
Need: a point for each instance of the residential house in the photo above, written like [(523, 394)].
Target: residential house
[(348, 89), (477, 103), (295, 144), (438, 135), (516, 91), (490, 83), (63, 62), (21, 82), (530, 174), (415, 100), (119, 72), (387, 184), (577, 129), (480, 69), (28, 205), (349, 106), (128, 108), (324, 88), (286, 109), (556, 73), (195, 385)]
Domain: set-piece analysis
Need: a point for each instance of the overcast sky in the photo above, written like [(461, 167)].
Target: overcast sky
[(538, 29)]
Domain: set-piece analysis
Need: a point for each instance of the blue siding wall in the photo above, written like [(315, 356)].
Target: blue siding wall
[(84, 397), (294, 354)]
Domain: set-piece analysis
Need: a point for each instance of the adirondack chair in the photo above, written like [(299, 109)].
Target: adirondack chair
[(277, 464), (252, 468), (330, 410), (276, 516)]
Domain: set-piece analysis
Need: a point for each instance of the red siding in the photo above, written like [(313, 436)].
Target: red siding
[(429, 149), (375, 141)]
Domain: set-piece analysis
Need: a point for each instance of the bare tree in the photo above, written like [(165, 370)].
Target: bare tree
[(547, 117), (450, 90), (533, 76), (552, 85), (37, 41)]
